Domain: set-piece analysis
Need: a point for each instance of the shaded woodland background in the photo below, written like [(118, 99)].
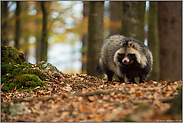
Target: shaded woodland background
[(39, 25)]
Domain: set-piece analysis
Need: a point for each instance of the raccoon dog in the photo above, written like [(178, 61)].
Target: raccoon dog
[(125, 57)]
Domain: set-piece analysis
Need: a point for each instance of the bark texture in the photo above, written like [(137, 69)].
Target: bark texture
[(95, 35), (170, 38), (4, 22), (44, 43), (85, 36), (17, 25), (115, 16), (133, 19), (153, 41)]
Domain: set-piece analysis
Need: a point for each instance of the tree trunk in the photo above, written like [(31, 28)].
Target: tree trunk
[(95, 35), (153, 42), (133, 20), (4, 22), (17, 25), (44, 42), (37, 34), (26, 51), (170, 37), (115, 16), (84, 37)]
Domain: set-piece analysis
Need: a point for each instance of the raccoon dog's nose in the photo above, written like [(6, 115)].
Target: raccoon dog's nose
[(126, 61)]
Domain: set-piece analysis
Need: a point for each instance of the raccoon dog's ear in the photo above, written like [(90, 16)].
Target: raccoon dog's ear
[(133, 45), (124, 44)]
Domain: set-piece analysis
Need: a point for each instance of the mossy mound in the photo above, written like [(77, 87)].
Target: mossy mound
[(10, 73), (14, 65), (27, 80), (24, 81), (11, 55), (13, 70)]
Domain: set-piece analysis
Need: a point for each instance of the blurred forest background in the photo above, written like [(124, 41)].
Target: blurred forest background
[(69, 34)]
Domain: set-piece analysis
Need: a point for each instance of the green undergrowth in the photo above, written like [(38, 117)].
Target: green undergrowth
[(25, 81), (17, 73), (12, 55)]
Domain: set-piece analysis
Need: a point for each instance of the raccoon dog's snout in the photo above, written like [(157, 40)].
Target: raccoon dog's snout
[(126, 61)]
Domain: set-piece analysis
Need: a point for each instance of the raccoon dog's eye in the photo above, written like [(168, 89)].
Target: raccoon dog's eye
[(121, 55), (131, 55)]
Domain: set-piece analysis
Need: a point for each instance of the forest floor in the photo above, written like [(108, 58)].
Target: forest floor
[(84, 98)]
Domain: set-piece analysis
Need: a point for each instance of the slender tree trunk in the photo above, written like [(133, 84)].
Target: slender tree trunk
[(133, 19), (38, 49), (17, 25), (95, 35), (4, 22), (44, 43), (115, 16), (153, 42), (170, 38), (26, 52), (85, 36), (37, 35)]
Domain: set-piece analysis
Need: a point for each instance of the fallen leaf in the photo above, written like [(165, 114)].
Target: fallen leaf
[(66, 88), (91, 98), (37, 87), (150, 96), (82, 79), (7, 74), (15, 65), (57, 88), (168, 88), (83, 108), (50, 89), (138, 93), (2, 85), (158, 104)]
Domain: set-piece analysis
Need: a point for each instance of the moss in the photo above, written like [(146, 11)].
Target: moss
[(12, 55), (9, 71), (5, 107), (27, 81), (13, 68), (90, 84), (14, 65), (83, 86)]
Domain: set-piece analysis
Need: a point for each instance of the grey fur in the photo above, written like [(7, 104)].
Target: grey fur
[(109, 64)]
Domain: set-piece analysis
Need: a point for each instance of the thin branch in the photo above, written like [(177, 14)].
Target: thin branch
[(163, 100), (60, 15)]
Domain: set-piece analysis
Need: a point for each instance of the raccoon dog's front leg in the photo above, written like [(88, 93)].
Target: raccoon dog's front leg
[(131, 79), (142, 78), (121, 79), (109, 74)]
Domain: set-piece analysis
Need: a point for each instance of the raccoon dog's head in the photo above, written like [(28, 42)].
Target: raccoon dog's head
[(126, 59), (129, 54)]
